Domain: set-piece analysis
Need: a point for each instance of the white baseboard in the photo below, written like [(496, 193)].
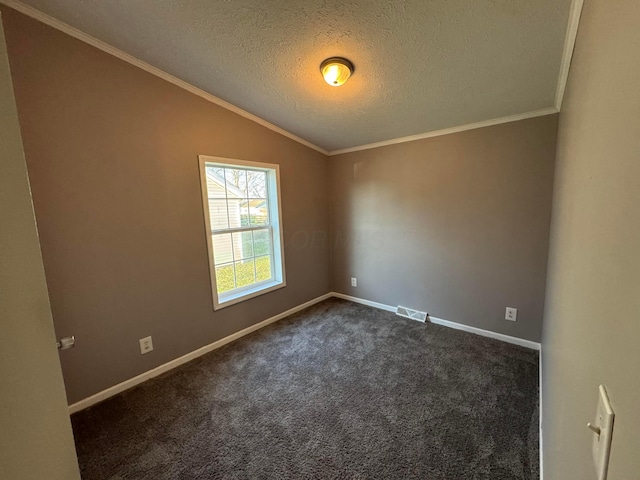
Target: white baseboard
[(362, 301), (486, 333), (132, 382), (439, 321)]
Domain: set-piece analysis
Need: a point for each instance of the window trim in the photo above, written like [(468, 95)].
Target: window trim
[(250, 291)]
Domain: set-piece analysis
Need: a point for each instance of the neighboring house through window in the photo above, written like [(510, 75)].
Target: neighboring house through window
[(244, 230)]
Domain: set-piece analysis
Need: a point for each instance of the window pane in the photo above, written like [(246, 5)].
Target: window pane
[(225, 278), (242, 245), (256, 184), (218, 213), (245, 273), (261, 242), (215, 182), (236, 182), (233, 204), (244, 213), (258, 212), (222, 251), (263, 268)]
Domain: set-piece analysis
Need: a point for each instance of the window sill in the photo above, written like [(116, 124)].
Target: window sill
[(233, 298)]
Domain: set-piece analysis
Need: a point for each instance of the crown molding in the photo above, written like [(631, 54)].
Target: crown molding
[(574, 18), (94, 42), (567, 54), (448, 131)]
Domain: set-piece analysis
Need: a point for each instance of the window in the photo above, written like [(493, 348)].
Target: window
[(244, 231)]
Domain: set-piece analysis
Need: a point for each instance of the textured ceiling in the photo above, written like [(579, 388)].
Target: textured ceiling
[(420, 65)]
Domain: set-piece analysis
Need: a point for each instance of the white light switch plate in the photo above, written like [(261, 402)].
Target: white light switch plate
[(601, 446)]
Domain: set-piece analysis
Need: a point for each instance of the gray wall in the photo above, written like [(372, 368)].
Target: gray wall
[(112, 154), (35, 432), (456, 225), (592, 319)]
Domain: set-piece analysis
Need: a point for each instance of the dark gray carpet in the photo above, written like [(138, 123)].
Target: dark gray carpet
[(339, 390)]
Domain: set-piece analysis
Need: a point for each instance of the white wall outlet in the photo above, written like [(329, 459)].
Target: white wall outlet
[(511, 314), (146, 345), (354, 282)]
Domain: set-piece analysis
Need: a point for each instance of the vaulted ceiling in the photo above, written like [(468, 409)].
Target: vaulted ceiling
[(420, 65)]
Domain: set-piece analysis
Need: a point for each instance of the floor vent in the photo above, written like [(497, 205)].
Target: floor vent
[(411, 313)]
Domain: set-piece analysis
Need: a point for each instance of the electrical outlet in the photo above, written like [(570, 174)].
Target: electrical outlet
[(511, 314), (354, 282), (146, 345)]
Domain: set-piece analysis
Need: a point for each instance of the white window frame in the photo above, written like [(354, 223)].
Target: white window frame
[(275, 219)]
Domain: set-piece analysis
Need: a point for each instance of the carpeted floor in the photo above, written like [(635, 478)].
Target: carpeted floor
[(339, 391)]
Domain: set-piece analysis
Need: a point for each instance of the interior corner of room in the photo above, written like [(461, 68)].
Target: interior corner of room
[(116, 203)]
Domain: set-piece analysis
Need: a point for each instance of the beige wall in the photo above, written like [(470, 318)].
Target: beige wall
[(35, 432), (592, 318), (112, 154), (456, 225), (462, 221)]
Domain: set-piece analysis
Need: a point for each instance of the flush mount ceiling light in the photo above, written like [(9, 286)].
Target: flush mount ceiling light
[(336, 70)]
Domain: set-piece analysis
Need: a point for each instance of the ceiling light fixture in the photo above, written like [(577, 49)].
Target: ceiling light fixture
[(336, 70)]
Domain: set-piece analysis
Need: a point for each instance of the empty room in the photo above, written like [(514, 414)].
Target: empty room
[(319, 240)]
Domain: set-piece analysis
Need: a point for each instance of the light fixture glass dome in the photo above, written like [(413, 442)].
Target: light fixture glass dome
[(336, 70)]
